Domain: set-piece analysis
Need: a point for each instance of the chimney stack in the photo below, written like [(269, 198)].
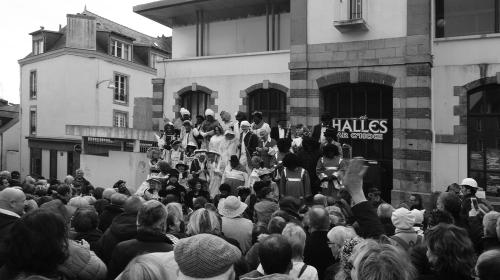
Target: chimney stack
[(81, 32)]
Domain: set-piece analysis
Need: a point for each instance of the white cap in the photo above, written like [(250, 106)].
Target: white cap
[(469, 182), (209, 112), (245, 123), (184, 111)]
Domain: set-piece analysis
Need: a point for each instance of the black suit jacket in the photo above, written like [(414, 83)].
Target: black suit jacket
[(275, 133), (316, 135), (251, 143)]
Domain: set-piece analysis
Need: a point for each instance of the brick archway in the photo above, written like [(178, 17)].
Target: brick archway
[(356, 76), (266, 84), (195, 87)]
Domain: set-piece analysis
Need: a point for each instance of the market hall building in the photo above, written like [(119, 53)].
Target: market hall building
[(368, 64)]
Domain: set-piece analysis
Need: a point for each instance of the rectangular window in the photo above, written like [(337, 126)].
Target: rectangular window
[(154, 57), (36, 162), (37, 47), (121, 88), (33, 85), (121, 50), (33, 121), (120, 119), (466, 17)]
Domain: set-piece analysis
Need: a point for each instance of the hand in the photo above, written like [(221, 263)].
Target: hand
[(353, 179), (473, 212)]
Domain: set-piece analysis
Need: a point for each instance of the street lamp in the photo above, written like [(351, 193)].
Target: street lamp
[(110, 84)]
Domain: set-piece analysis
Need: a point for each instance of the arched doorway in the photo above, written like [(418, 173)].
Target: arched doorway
[(483, 137), (195, 101), (271, 102), (363, 113)]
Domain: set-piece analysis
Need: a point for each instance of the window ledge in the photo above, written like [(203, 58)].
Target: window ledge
[(467, 37), (350, 25), (120, 103)]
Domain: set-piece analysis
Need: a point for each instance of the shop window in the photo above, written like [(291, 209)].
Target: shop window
[(466, 17), (121, 89), (196, 102), (271, 102), (36, 162), (483, 137)]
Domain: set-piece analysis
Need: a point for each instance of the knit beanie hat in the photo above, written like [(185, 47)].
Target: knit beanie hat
[(402, 218), (205, 256)]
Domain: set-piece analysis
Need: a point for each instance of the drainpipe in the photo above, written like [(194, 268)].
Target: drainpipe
[(267, 25), (273, 25), (202, 27), (197, 33), (278, 37)]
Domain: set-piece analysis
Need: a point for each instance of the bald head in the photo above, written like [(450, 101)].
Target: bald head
[(320, 200), (319, 220), (133, 204), (12, 199), (488, 265)]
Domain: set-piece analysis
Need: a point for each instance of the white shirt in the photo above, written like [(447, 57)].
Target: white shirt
[(281, 133), (322, 135), (9, 213)]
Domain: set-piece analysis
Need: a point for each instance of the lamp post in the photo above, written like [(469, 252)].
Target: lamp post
[(110, 84)]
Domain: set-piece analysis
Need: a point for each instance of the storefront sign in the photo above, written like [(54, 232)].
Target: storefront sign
[(360, 128)]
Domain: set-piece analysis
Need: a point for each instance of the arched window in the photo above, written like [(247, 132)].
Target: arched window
[(483, 137), (195, 101), (271, 102)]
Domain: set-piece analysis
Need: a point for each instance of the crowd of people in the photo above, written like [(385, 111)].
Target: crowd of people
[(239, 200)]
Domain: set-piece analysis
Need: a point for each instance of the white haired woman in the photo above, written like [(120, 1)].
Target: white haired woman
[(297, 239)]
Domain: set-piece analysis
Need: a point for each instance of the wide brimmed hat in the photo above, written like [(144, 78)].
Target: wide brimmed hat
[(265, 171), (173, 173), (154, 178), (176, 142), (231, 207), (187, 122), (245, 123), (257, 113), (199, 151), (192, 144), (213, 152)]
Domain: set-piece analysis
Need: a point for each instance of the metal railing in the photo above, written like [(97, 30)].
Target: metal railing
[(100, 146), (356, 9)]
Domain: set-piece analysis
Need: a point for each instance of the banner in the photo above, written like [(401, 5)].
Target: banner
[(361, 128)]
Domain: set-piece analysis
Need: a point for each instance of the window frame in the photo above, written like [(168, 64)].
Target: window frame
[(480, 136), (38, 46), (116, 44), (33, 84), (439, 33), (123, 113), (125, 102), (186, 99), (259, 96), (33, 120)]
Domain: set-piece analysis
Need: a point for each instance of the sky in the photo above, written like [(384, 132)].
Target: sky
[(18, 18)]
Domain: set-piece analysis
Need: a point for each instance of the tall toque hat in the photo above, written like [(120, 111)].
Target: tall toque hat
[(205, 256)]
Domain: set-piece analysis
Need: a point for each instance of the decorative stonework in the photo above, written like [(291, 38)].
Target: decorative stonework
[(459, 135), (266, 84), (212, 96)]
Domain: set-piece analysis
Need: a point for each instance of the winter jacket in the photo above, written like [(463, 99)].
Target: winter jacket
[(92, 237), (145, 242), (82, 263), (6, 223), (317, 253), (124, 227), (107, 216)]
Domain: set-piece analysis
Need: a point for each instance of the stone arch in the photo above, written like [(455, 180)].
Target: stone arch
[(195, 87), (266, 84), (460, 131), (356, 76)]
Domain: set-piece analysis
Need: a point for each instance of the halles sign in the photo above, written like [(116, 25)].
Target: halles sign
[(360, 128)]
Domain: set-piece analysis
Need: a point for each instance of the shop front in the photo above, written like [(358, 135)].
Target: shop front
[(362, 115)]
